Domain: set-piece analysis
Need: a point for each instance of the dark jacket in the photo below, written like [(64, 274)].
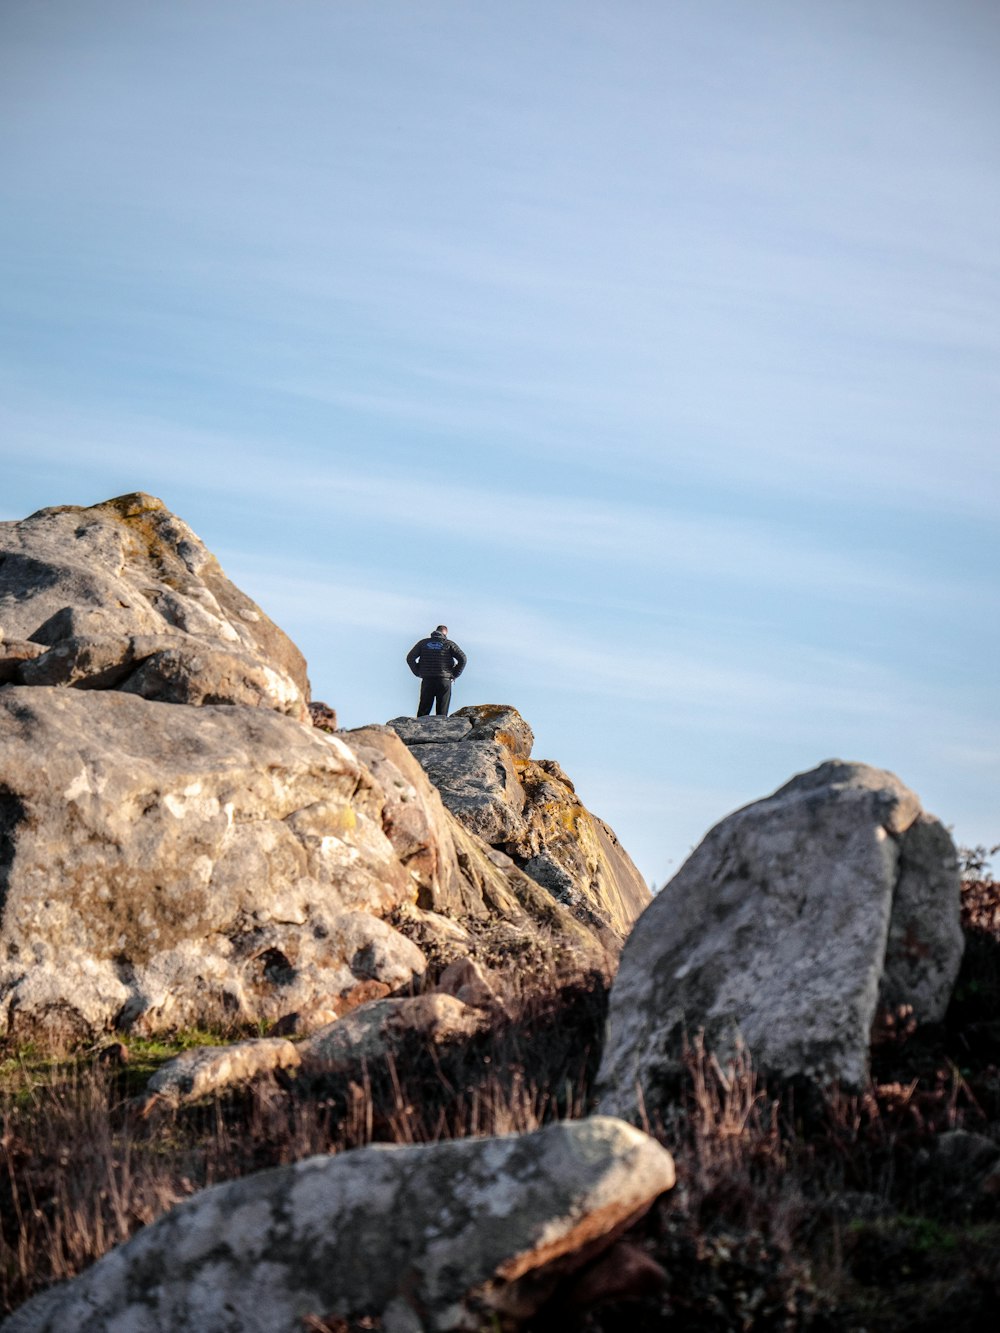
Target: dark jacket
[(436, 658)]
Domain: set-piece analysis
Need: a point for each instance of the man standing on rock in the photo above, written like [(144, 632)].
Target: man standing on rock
[(437, 661)]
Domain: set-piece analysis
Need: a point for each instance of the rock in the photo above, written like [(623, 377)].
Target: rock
[(416, 822), (501, 723), (383, 1028), (170, 855), (161, 863), (301, 1022), (478, 784), (430, 730), (123, 595), (528, 811), (787, 927), (14, 655), (463, 1232), (322, 716), (574, 854), (207, 1070), (470, 983)]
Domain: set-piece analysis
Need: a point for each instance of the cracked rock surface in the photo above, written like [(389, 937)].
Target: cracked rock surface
[(427, 1239), (786, 929)]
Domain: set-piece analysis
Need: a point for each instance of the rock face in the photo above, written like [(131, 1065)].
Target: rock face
[(480, 761), (437, 1237), (124, 596), (793, 921)]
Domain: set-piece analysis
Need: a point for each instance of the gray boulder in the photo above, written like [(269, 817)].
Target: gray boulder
[(123, 595), (437, 1237), (787, 928), (163, 865)]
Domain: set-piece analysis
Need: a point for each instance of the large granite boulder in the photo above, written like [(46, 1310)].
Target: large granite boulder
[(171, 864), (480, 762), (124, 596), (790, 925), (421, 1239)]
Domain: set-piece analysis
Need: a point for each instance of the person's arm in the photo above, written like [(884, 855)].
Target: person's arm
[(460, 660), (413, 656)]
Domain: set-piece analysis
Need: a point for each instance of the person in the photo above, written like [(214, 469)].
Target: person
[(438, 662)]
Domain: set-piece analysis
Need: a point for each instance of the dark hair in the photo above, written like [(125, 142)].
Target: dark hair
[(443, 629)]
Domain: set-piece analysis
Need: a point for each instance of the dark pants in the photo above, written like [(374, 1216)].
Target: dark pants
[(434, 690)]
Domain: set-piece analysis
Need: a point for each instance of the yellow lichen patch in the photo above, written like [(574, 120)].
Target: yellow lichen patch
[(132, 505)]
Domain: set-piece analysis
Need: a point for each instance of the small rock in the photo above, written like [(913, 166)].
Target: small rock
[(208, 1070), (381, 1028), (323, 716), (470, 983)]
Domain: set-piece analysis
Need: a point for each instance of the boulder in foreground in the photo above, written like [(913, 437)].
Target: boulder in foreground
[(792, 923), (425, 1239)]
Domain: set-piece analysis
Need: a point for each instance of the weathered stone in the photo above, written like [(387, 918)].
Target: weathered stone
[(301, 1022), (322, 715), (470, 983), (528, 810), (205, 1071), (430, 730), (501, 723), (479, 785), (416, 822), (383, 1028), (125, 596), (461, 1231), (783, 930), (158, 863)]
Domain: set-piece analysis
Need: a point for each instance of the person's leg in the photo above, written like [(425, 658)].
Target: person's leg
[(443, 697), (427, 697)]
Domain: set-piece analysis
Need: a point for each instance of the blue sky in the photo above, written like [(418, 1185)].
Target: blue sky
[(654, 347)]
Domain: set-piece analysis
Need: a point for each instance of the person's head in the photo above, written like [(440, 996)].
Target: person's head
[(442, 629)]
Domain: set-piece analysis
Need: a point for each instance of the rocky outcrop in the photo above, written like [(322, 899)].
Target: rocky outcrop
[(164, 865), (124, 596), (480, 762), (437, 1237), (789, 926)]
